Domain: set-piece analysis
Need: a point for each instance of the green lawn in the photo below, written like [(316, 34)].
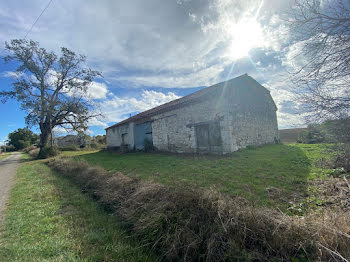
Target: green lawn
[(48, 219), (3, 155), (271, 175)]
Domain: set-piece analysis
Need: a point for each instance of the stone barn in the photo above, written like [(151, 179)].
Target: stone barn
[(218, 119)]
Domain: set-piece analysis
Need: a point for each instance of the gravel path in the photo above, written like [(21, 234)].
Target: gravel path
[(8, 169)]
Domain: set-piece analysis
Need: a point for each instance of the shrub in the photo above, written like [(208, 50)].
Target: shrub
[(22, 138), (48, 151), (312, 135), (337, 130), (21, 144), (191, 225), (94, 145), (341, 158)]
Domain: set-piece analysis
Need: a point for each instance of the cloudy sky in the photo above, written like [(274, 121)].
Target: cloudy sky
[(154, 51)]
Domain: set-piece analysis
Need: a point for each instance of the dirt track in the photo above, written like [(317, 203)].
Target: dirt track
[(8, 169)]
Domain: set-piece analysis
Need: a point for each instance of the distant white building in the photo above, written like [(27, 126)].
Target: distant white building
[(218, 119)]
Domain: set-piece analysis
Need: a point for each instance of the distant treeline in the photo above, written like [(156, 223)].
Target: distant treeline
[(330, 131)]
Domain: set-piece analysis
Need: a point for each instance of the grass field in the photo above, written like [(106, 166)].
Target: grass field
[(271, 175), (291, 135), (48, 219), (3, 155)]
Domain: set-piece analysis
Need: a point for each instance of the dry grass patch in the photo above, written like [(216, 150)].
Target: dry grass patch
[(199, 225), (34, 152), (334, 192)]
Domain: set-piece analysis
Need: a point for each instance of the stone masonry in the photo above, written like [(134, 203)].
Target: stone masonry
[(219, 119)]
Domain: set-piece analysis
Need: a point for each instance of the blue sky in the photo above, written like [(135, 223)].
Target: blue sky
[(151, 52)]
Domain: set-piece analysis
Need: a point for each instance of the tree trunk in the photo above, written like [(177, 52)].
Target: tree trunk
[(44, 137)]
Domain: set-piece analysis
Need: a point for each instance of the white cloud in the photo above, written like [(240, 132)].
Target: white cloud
[(60, 131), (184, 39), (167, 44), (275, 33), (119, 108), (289, 113), (98, 121), (2, 140), (89, 132), (97, 90), (294, 58), (12, 74), (289, 121), (204, 77)]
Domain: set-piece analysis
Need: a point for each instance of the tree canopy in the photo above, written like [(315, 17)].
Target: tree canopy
[(50, 88), (22, 138)]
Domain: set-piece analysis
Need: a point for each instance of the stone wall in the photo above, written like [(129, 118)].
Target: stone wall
[(252, 129), (175, 130), (114, 136), (252, 118), (246, 116), (239, 116)]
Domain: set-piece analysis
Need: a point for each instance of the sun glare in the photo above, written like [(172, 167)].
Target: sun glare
[(245, 35)]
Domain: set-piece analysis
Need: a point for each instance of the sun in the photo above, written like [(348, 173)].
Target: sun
[(244, 36)]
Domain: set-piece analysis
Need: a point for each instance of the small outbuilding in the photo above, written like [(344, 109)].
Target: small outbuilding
[(218, 119)]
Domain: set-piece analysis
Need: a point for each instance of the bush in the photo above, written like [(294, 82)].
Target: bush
[(94, 145), (48, 151), (337, 130), (21, 144), (22, 138), (191, 225), (340, 159), (313, 135), (330, 131)]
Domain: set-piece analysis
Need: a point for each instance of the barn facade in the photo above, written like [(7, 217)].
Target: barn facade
[(218, 119)]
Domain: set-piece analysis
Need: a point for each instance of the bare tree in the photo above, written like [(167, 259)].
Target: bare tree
[(321, 31), (51, 89)]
